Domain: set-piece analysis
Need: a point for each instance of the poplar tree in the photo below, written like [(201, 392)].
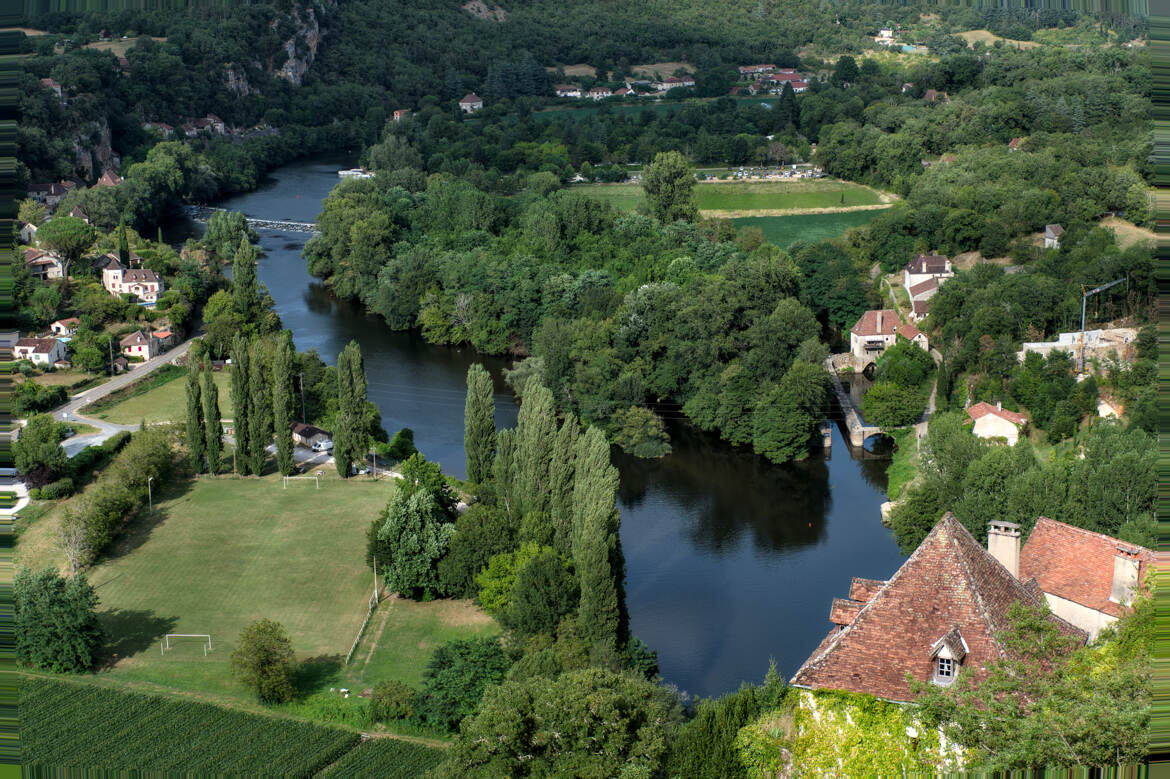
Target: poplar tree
[(504, 469), (245, 298), (282, 402), (241, 363), (123, 244), (479, 424), (561, 471), (349, 434), (536, 433), (596, 545), (259, 408), (213, 425), (195, 424)]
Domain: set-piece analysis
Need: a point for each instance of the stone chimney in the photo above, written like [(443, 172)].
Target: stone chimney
[(879, 322), (998, 406), (1003, 543)]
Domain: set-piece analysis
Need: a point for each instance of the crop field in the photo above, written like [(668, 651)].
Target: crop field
[(742, 198), (786, 230), (385, 758), (83, 726)]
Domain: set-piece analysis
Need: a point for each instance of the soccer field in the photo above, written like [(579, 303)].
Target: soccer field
[(748, 196)]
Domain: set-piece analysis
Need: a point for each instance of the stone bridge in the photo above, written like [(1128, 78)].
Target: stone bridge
[(858, 431), (202, 213)]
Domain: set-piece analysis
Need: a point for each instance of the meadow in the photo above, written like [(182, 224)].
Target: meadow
[(161, 400), (741, 198), (786, 230)]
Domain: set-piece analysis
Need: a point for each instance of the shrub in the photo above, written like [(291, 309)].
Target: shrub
[(56, 621), (62, 488), (263, 660), (392, 700), (456, 677), (401, 445), (499, 577)]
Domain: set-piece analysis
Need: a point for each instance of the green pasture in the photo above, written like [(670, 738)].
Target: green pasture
[(786, 230), (166, 402)]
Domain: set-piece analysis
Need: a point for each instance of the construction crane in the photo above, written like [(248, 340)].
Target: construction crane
[(1084, 300)]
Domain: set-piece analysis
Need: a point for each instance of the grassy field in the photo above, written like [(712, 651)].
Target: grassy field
[(904, 465), (785, 230), (748, 196), (164, 403)]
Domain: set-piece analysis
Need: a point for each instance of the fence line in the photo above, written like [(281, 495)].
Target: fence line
[(373, 604)]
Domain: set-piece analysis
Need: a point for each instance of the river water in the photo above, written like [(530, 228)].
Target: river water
[(730, 560)]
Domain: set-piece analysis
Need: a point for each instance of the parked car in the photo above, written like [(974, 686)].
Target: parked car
[(323, 446)]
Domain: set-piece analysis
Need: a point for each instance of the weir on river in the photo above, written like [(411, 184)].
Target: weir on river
[(203, 213)]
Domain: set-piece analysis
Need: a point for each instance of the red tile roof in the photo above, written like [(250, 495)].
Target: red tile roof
[(909, 331), (984, 408), (141, 276), (134, 339), (950, 589), (39, 345), (1077, 564), (928, 263), (920, 307), (868, 324), (925, 286), (471, 97), (1015, 143), (110, 178)]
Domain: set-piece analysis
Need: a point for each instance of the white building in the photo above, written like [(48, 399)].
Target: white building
[(42, 351), (925, 267), (996, 422), (877, 331), (1052, 235), (470, 103)]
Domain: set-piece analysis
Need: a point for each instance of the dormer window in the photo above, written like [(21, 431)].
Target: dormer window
[(947, 655), (944, 670)]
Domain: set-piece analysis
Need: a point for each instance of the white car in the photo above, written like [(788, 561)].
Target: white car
[(323, 446)]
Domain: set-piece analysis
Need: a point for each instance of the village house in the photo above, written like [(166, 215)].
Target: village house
[(41, 351), (996, 422), (600, 93), (54, 86), (109, 179), (925, 267), (307, 435), (941, 612), (919, 309), (401, 113), (48, 195), (907, 87), (755, 71), (43, 265), (140, 344), (143, 283), (877, 331), (120, 364), (470, 103), (568, 90), (1088, 578), (165, 338), (28, 233), (1052, 235), (1015, 144), (923, 290), (675, 82), (65, 327), (623, 92), (77, 213), (885, 37)]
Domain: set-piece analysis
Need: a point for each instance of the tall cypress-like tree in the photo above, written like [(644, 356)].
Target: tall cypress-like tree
[(259, 408), (282, 402), (596, 546), (561, 472), (536, 434), (245, 297), (504, 469), (241, 381), (212, 424), (196, 437), (123, 244), (350, 427), (479, 424)]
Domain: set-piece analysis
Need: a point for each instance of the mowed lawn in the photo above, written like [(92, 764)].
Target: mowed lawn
[(747, 195), (222, 553), (786, 230), (166, 403)]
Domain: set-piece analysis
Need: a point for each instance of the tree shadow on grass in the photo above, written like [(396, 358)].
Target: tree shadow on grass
[(137, 530), (315, 674), (129, 632)]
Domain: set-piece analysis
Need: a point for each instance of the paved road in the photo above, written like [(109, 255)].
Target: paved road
[(68, 412)]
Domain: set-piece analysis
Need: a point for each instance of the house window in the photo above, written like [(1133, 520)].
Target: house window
[(944, 670)]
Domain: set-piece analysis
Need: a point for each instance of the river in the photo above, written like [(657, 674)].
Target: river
[(730, 560)]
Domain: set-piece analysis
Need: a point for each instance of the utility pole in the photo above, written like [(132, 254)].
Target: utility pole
[(149, 494), (110, 343)]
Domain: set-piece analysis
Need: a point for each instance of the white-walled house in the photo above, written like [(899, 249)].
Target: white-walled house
[(470, 103), (924, 267), (1052, 235), (996, 422), (877, 331), (65, 327), (140, 344), (143, 283), (41, 351)]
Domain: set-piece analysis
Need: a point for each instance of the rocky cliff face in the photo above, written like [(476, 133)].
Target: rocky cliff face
[(301, 48), (93, 153), (237, 79)]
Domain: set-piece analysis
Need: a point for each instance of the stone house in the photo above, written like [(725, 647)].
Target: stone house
[(1052, 235), (41, 351), (925, 267), (140, 344), (877, 331), (996, 422), (65, 327)]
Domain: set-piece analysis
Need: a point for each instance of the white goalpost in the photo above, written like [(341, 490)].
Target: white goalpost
[(165, 644), (314, 478)]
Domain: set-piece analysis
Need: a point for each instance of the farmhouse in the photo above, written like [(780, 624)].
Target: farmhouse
[(48, 195), (65, 327), (942, 611), (1052, 235), (1088, 578), (925, 267), (307, 435), (43, 265), (470, 103), (568, 90), (755, 70), (996, 422), (600, 93), (139, 344), (42, 351), (877, 331)]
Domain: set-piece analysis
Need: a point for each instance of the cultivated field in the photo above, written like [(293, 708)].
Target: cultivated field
[(786, 230), (385, 758), (664, 69), (752, 198), (165, 403)]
